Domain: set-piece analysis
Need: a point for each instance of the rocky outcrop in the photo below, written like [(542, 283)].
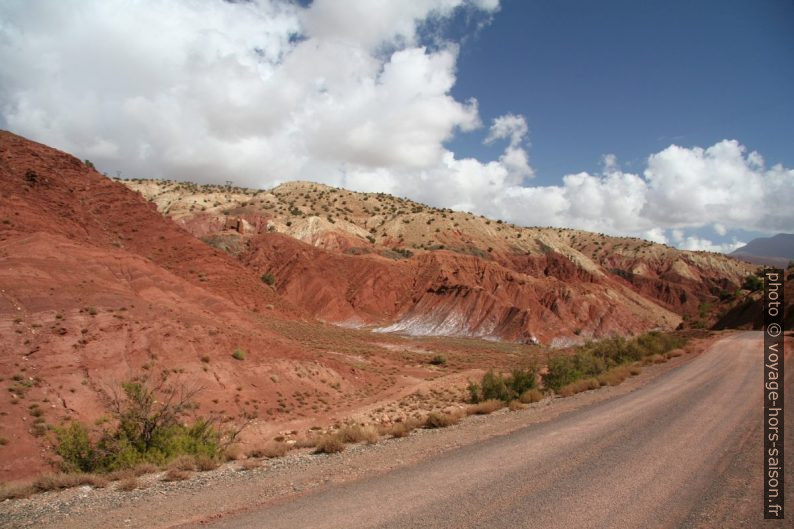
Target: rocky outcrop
[(446, 293)]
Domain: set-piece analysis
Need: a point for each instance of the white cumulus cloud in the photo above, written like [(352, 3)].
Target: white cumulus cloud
[(347, 93)]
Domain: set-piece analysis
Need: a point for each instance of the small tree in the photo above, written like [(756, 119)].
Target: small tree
[(150, 425)]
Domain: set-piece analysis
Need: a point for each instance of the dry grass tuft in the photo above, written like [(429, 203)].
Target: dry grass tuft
[(515, 405), (614, 376), (14, 491), (176, 474), (485, 407), (120, 475), (329, 444), (145, 468), (442, 420), (270, 450), (305, 442), (635, 370), (206, 463), (357, 433), (129, 484), (183, 462), (580, 385), (531, 395), (398, 429), (68, 480)]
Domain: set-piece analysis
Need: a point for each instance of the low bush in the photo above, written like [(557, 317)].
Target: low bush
[(145, 468), (753, 283), (120, 475), (15, 491), (206, 463), (329, 444), (614, 376), (441, 420), (578, 386), (270, 450), (356, 433), (599, 360), (65, 480), (183, 462), (399, 429), (176, 474), (505, 388), (485, 407), (305, 442), (148, 428), (531, 395), (438, 360), (128, 484)]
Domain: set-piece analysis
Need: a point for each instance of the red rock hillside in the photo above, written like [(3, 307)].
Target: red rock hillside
[(96, 286), (377, 261)]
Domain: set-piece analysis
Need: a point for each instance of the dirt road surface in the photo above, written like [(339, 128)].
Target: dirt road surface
[(682, 451)]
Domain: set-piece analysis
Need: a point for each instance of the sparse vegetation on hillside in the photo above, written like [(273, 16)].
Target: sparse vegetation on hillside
[(388, 219)]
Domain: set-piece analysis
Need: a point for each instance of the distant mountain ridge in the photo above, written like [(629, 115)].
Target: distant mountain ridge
[(777, 250)]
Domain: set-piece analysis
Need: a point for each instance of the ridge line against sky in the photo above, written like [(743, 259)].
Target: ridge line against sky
[(435, 100)]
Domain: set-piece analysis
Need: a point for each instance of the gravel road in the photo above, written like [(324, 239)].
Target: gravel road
[(681, 451)]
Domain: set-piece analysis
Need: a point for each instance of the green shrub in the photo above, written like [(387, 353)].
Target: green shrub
[(753, 283), (595, 358), (75, 448), (438, 360), (493, 386), (474, 392), (521, 380), (268, 279), (238, 354), (149, 428), (499, 387), (562, 371)]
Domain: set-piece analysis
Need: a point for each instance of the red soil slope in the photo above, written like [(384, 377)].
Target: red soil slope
[(96, 286), (446, 293)]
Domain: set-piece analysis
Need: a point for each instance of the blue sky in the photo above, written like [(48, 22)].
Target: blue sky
[(671, 121), (630, 78)]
